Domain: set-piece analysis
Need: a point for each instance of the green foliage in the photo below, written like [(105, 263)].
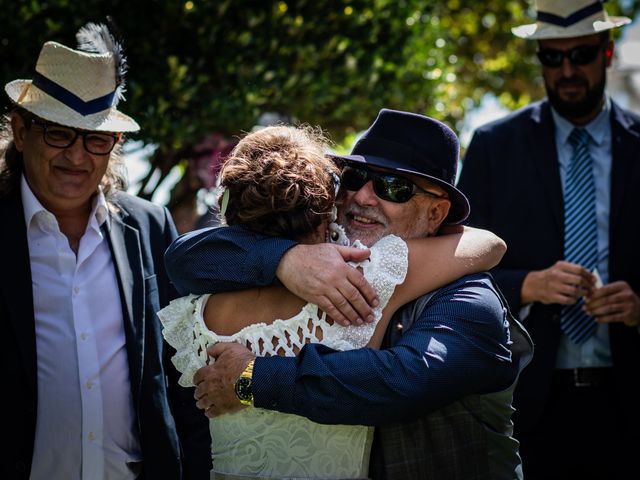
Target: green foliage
[(214, 66)]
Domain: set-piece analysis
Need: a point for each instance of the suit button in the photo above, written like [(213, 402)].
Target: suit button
[(556, 317), (21, 467)]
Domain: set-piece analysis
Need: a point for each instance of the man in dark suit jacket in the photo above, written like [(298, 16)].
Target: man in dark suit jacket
[(576, 404), (90, 391)]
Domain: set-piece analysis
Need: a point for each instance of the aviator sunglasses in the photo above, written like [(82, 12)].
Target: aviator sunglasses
[(392, 188), (580, 55)]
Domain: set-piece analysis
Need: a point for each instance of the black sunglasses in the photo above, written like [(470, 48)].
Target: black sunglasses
[(580, 55), (392, 188)]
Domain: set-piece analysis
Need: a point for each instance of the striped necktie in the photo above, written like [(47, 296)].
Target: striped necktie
[(580, 230)]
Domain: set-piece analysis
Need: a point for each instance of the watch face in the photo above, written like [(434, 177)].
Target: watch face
[(243, 390)]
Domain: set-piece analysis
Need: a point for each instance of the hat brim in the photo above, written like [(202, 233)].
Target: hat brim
[(459, 210), (48, 108), (542, 31)]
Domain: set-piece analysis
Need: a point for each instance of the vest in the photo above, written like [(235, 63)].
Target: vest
[(472, 438)]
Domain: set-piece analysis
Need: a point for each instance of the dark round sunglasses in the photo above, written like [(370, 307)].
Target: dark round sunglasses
[(392, 188), (580, 55)]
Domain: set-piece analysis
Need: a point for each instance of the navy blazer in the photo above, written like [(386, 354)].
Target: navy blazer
[(166, 413), (511, 176)]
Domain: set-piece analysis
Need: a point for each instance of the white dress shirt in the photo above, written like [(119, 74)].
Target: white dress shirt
[(86, 425)]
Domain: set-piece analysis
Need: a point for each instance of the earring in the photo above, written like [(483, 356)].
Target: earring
[(335, 232)]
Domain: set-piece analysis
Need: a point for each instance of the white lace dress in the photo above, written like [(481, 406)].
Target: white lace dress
[(267, 444)]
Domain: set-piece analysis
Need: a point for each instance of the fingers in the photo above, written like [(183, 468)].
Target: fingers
[(615, 302), (574, 274), (202, 400), (618, 312), (353, 297), (565, 283), (346, 296), (351, 301), (339, 309), (360, 293), (346, 307), (610, 299), (569, 289), (352, 254), (201, 375), (218, 349), (210, 411)]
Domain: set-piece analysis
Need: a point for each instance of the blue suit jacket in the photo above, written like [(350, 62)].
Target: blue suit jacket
[(174, 435), (511, 176)]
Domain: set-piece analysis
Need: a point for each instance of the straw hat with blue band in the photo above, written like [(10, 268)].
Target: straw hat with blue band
[(77, 88), (568, 19)]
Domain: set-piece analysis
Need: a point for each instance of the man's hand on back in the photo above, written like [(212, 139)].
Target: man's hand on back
[(318, 274), (215, 383)]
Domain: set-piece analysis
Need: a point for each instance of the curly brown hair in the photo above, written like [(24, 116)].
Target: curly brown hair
[(280, 181)]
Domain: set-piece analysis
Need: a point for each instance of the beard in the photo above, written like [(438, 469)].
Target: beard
[(368, 236), (580, 107)]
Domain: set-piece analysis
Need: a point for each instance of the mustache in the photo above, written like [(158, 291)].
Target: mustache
[(372, 213), (572, 82)]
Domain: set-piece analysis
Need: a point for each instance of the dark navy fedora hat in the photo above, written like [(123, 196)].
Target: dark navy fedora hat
[(416, 145)]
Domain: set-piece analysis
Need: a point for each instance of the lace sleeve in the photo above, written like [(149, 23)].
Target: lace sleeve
[(384, 270), (190, 338), (387, 266)]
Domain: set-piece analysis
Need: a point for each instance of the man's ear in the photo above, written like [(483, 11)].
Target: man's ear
[(19, 130), (438, 211)]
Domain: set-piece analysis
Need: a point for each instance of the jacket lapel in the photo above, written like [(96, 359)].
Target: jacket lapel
[(543, 147), (625, 144), (124, 242), (15, 284)]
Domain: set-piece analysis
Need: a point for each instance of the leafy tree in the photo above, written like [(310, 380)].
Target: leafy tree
[(201, 67)]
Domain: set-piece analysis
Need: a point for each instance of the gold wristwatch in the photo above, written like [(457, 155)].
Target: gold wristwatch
[(243, 386)]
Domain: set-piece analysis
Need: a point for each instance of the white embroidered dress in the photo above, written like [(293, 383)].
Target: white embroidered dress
[(267, 444)]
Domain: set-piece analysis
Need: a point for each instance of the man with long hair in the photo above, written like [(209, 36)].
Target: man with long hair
[(90, 392)]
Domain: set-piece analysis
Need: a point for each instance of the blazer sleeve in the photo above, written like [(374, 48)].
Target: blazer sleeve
[(223, 259), (191, 425), (430, 367), (478, 181)]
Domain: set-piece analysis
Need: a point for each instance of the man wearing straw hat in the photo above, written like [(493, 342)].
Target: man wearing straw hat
[(559, 180), (89, 392)]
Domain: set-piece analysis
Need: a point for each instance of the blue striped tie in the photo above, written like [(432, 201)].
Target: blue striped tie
[(580, 230)]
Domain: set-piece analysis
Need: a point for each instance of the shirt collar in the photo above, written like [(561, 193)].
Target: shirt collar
[(597, 128), (32, 206)]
